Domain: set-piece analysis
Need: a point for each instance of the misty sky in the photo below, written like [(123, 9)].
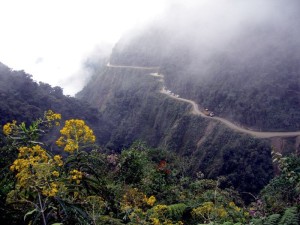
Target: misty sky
[(50, 39)]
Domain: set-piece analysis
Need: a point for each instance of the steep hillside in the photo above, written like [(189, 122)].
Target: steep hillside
[(22, 99), (240, 62), (132, 108), (244, 68)]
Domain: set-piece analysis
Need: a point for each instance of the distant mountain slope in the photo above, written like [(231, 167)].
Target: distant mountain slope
[(132, 108), (22, 99), (244, 67)]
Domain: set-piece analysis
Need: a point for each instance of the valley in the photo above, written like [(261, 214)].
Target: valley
[(191, 118)]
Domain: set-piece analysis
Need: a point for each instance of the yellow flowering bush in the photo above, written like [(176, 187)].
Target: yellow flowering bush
[(134, 205), (137, 216), (74, 134), (76, 176), (211, 212), (160, 209), (208, 212), (51, 190), (155, 221), (55, 173), (58, 160), (95, 207), (150, 201), (44, 181), (50, 116), (132, 198), (9, 127), (88, 187), (234, 207), (23, 135), (236, 213), (160, 215), (36, 170)]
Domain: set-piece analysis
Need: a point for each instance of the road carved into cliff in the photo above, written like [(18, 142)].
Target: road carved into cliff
[(197, 111), (132, 67)]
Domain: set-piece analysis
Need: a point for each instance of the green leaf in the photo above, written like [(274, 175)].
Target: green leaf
[(29, 213)]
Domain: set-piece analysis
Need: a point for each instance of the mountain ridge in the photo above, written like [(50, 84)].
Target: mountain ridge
[(195, 109), (133, 108), (251, 75)]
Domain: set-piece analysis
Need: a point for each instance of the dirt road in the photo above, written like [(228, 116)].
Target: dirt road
[(132, 67), (258, 134), (196, 111)]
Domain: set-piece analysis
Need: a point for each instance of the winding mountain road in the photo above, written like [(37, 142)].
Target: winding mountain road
[(132, 67), (197, 111)]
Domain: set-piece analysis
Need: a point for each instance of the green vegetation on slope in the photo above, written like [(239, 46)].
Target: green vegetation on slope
[(139, 186), (250, 75), (133, 109), (22, 99)]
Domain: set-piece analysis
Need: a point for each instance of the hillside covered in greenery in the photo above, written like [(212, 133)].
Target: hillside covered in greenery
[(141, 185), (132, 108), (23, 99), (125, 152), (245, 69)]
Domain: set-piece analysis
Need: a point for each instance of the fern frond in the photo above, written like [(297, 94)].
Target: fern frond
[(176, 211), (257, 222), (290, 217), (272, 219)]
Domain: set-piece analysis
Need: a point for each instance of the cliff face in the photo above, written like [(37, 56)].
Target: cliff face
[(244, 68), (132, 108)]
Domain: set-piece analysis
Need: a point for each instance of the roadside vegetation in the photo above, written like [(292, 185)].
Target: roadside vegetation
[(86, 184)]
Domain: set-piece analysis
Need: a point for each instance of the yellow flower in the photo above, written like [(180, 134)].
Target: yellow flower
[(150, 201), (155, 221), (52, 191), (50, 116), (222, 212), (231, 204), (75, 134), (35, 168), (76, 176), (58, 160), (55, 173), (238, 209), (8, 128), (160, 209), (206, 208)]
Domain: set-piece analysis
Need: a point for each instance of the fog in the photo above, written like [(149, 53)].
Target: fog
[(215, 23), (239, 29), (238, 58), (203, 29), (52, 40), (56, 40)]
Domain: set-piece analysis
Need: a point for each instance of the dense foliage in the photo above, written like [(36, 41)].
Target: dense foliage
[(133, 109), (138, 186), (23, 99)]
